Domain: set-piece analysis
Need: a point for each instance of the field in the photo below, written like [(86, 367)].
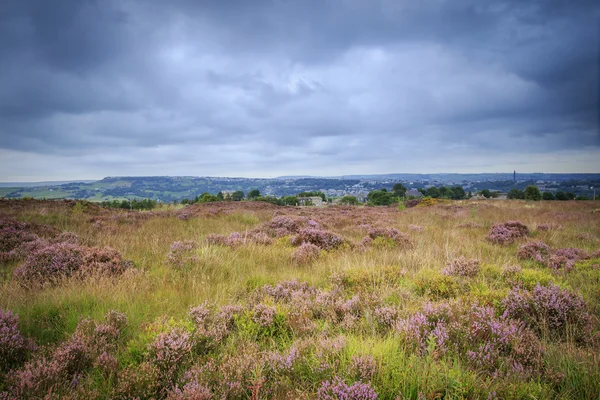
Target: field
[(463, 299)]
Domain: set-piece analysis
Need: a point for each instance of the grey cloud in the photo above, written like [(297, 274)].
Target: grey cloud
[(252, 86)]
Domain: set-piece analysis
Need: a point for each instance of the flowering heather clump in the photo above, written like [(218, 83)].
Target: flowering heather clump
[(13, 234), (306, 253), (565, 258), (177, 255), (401, 239), (13, 345), (507, 232), (285, 291), (500, 342), (462, 267), (416, 330), (103, 261), (50, 264), (537, 251), (73, 355), (363, 367), (108, 364), (550, 310), (264, 315), (259, 237), (57, 261), (282, 363), (284, 222), (191, 391), (386, 316), (323, 239), (339, 390), (235, 239), (170, 351), (138, 382), (66, 237)]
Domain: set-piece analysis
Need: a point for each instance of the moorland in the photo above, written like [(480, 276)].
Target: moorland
[(237, 300)]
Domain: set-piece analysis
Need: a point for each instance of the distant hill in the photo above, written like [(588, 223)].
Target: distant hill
[(43, 183), (170, 188)]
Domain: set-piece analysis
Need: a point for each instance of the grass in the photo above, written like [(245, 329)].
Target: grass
[(405, 279)]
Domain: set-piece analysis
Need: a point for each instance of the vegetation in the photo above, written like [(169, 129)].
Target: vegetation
[(246, 299)]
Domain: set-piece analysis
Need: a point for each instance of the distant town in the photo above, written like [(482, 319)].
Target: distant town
[(168, 189)]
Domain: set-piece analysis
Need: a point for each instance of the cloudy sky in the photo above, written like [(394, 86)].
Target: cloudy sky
[(292, 87)]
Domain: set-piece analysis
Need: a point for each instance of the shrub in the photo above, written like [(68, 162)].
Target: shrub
[(191, 391), (386, 316), (564, 259), (13, 345), (429, 324), (552, 311), (537, 251), (339, 390), (306, 253), (169, 353), (323, 239), (52, 263), (507, 232), (462, 267), (363, 367), (499, 344), (177, 255)]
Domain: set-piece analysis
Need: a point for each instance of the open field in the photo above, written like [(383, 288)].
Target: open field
[(250, 300)]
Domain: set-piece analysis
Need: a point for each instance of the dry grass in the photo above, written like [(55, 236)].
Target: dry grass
[(228, 275)]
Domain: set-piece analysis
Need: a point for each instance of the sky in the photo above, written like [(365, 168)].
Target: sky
[(94, 88)]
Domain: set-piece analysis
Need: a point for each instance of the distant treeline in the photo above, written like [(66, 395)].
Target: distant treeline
[(145, 204)]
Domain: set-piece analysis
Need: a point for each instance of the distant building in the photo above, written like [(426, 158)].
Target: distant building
[(311, 201), (413, 193)]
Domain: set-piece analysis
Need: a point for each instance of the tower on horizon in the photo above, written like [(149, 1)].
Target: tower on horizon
[(515, 175)]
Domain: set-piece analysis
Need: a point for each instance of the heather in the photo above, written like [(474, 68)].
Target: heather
[(248, 300)]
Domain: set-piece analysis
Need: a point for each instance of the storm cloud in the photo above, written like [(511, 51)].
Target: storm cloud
[(266, 88)]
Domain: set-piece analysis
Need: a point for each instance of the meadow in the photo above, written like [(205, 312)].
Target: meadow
[(248, 300)]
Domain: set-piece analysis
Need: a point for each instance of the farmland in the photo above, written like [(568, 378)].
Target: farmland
[(240, 300)]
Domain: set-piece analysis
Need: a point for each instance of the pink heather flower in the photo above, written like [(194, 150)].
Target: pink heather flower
[(323, 239), (339, 390), (386, 316), (13, 345), (264, 315), (550, 309), (306, 253), (507, 232), (363, 367), (537, 251), (170, 350), (462, 267)]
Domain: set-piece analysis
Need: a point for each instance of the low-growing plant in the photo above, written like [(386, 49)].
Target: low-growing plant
[(462, 267), (552, 312), (507, 232)]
